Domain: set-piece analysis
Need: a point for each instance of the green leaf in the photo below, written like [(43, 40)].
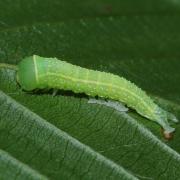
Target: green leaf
[(63, 136)]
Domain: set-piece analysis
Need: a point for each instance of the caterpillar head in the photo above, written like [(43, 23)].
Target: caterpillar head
[(26, 74)]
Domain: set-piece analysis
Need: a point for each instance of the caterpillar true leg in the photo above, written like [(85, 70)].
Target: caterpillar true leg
[(110, 103), (54, 92)]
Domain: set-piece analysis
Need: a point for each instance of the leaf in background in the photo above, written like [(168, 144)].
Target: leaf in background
[(15, 13), (64, 136)]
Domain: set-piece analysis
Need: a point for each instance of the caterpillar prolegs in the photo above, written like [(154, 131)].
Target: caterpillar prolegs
[(37, 72)]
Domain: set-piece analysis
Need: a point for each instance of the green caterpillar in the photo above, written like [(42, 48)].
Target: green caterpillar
[(37, 72)]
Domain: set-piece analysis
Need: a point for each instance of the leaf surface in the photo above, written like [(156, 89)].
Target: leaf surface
[(48, 137)]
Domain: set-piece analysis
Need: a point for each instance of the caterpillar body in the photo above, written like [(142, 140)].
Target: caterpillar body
[(37, 72)]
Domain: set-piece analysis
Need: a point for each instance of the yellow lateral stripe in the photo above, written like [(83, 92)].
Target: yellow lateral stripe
[(35, 68), (100, 83)]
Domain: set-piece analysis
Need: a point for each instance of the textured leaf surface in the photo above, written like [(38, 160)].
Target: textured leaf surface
[(63, 136)]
